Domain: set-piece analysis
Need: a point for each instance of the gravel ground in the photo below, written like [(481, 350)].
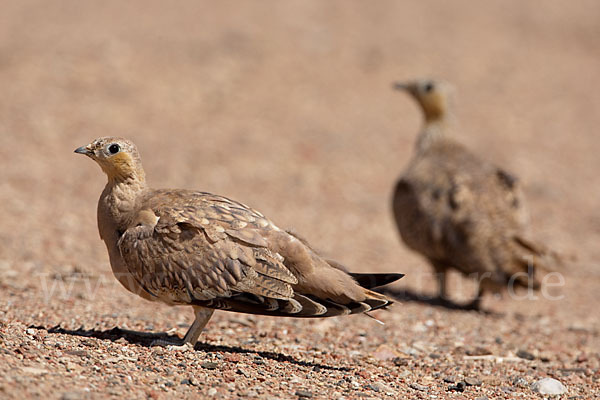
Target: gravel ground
[(287, 107)]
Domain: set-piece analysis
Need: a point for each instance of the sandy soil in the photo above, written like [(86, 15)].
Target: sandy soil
[(287, 107)]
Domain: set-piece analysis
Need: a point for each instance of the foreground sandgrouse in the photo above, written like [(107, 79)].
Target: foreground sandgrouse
[(185, 247), (460, 211)]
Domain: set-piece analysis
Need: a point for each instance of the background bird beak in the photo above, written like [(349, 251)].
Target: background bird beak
[(406, 86), (400, 86), (83, 150), (409, 87)]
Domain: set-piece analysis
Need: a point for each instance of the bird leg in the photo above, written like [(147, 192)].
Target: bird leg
[(442, 286), (475, 304), (191, 337), (440, 274), (202, 317)]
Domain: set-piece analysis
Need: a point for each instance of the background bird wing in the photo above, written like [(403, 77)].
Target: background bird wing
[(449, 203)]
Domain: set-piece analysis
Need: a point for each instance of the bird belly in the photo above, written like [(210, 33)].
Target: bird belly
[(123, 275)]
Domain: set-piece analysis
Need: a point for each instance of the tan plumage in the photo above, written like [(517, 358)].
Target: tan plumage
[(460, 211), (186, 247)]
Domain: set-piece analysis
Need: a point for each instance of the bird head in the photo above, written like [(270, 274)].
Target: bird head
[(118, 158), (432, 96)]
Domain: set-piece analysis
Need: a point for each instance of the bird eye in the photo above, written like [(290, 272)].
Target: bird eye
[(114, 148), (428, 87)]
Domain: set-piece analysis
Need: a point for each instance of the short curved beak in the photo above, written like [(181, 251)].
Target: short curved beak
[(83, 150)]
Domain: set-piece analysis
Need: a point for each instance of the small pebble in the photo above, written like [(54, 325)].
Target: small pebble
[(79, 353), (459, 387), (418, 387), (71, 396), (507, 389), (189, 381), (304, 394), (210, 365), (380, 387), (242, 372), (478, 351), (519, 381), (212, 391), (545, 357), (400, 361), (411, 351), (470, 381), (549, 386), (373, 387), (525, 355)]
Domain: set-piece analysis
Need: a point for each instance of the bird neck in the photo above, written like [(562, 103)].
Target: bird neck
[(119, 201), (433, 130), (133, 178), (124, 168)]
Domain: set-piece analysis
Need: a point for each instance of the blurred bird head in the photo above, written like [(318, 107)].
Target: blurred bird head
[(432, 96), (118, 158)]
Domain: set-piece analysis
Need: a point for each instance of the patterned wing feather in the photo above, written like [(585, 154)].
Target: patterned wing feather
[(201, 249), (188, 254)]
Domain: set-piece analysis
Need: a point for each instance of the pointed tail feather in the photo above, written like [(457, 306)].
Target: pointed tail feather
[(370, 281), (376, 300), (300, 306)]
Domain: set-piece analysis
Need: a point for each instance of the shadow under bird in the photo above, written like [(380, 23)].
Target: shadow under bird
[(460, 211), (185, 247)]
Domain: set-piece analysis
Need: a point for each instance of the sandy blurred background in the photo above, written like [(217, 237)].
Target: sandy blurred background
[(288, 107)]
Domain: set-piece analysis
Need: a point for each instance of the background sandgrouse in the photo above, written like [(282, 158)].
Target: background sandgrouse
[(460, 211), (185, 247)]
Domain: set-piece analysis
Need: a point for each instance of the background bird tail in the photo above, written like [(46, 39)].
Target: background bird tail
[(535, 259), (541, 256)]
